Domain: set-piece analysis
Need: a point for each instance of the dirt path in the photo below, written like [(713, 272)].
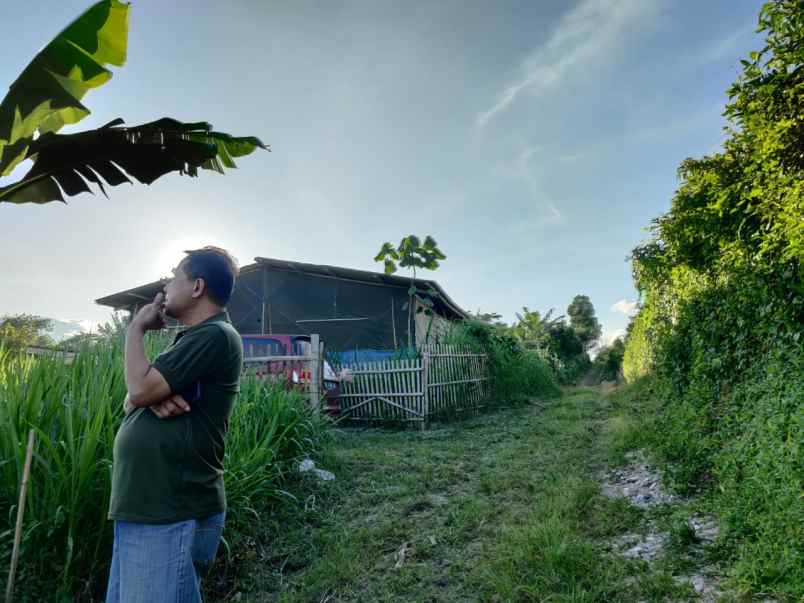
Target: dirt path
[(502, 507)]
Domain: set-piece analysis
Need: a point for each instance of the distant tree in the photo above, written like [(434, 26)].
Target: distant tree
[(19, 331), (609, 360), (491, 318), (584, 322), (412, 253), (564, 343), (533, 329)]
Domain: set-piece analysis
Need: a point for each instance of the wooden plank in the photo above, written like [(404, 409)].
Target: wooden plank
[(425, 397), (393, 369), (277, 359)]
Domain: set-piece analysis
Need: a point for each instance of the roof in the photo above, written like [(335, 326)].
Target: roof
[(145, 293)]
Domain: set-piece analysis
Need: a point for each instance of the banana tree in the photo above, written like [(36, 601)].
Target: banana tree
[(412, 253), (47, 96)]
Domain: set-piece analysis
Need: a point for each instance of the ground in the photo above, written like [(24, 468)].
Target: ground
[(505, 506)]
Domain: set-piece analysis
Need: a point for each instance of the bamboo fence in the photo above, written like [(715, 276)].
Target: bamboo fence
[(442, 379)]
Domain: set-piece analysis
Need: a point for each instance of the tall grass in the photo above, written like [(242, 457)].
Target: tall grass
[(515, 374), (75, 410)]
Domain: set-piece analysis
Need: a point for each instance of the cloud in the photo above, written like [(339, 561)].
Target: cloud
[(608, 337), (542, 209), (585, 34), (626, 307)]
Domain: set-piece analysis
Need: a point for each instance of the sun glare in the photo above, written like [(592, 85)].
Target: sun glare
[(169, 256)]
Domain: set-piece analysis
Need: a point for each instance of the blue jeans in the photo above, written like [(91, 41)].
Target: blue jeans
[(162, 563)]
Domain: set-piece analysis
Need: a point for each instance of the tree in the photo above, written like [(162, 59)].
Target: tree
[(412, 253), (47, 96), (534, 330), (583, 321), (18, 331), (609, 360)]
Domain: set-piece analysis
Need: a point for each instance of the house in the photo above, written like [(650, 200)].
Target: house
[(350, 309)]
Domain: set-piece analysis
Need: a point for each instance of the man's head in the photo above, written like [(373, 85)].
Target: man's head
[(205, 277)]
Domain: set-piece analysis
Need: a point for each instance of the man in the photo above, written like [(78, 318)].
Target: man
[(168, 501)]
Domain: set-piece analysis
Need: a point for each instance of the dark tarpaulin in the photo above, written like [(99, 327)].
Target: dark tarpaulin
[(347, 314)]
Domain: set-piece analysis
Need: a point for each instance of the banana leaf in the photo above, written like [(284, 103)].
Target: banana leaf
[(70, 162), (47, 95)]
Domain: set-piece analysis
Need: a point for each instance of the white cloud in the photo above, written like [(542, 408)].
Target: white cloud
[(608, 337), (587, 33), (626, 307)]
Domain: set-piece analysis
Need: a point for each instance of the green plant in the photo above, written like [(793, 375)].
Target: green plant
[(412, 253), (47, 96), (515, 374), (75, 409), (721, 322)]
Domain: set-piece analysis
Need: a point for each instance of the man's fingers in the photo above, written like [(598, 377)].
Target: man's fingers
[(180, 402)]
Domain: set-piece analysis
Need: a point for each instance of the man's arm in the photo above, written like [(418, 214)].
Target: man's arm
[(172, 406), (146, 385)]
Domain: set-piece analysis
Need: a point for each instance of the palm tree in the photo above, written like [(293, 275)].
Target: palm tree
[(47, 96)]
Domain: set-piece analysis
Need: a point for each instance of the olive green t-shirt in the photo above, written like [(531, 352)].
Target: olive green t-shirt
[(169, 470)]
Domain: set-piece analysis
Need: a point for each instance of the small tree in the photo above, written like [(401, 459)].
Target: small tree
[(412, 253)]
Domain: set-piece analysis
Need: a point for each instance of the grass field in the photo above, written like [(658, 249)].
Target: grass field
[(499, 507)]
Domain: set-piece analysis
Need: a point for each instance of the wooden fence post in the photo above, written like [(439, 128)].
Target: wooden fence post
[(425, 382), (20, 512), (315, 372)]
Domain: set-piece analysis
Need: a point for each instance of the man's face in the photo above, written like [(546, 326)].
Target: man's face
[(179, 292)]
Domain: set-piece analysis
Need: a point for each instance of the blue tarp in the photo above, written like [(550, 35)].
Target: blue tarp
[(370, 355)]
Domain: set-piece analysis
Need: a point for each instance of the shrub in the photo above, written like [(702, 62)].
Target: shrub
[(515, 374), (76, 409)]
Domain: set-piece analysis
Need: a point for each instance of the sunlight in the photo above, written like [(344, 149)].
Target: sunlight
[(168, 257)]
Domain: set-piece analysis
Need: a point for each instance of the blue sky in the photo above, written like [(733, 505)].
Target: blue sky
[(534, 140)]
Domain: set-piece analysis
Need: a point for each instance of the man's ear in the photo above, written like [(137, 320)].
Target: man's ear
[(199, 288)]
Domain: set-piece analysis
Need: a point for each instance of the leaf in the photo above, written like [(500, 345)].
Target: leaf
[(47, 94), (387, 249), (390, 266), (146, 152)]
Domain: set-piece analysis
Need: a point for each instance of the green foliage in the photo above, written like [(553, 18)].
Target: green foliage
[(721, 324), (76, 409), (516, 374), (609, 361), (583, 321), (554, 341), (21, 330), (412, 253), (47, 96)]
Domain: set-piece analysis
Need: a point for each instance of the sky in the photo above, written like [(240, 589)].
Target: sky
[(535, 141)]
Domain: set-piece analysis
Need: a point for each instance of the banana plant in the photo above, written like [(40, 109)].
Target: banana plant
[(47, 96)]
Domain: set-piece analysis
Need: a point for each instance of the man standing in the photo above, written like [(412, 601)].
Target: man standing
[(168, 501)]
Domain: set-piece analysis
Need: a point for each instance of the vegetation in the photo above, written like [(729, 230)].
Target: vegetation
[(76, 409), (516, 374), (47, 96), (19, 331), (503, 508), (721, 324), (412, 253)]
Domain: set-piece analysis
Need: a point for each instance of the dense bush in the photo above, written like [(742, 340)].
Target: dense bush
[(721, 324), (75, 410), (516, 374)]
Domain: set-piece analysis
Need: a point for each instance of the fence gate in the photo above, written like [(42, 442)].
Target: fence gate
[(442, 378)]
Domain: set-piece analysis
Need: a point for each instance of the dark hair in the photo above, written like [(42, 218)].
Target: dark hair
[(218, 269)]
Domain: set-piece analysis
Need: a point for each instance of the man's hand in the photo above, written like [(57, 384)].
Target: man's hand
[(171, 407), (151, 317)]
